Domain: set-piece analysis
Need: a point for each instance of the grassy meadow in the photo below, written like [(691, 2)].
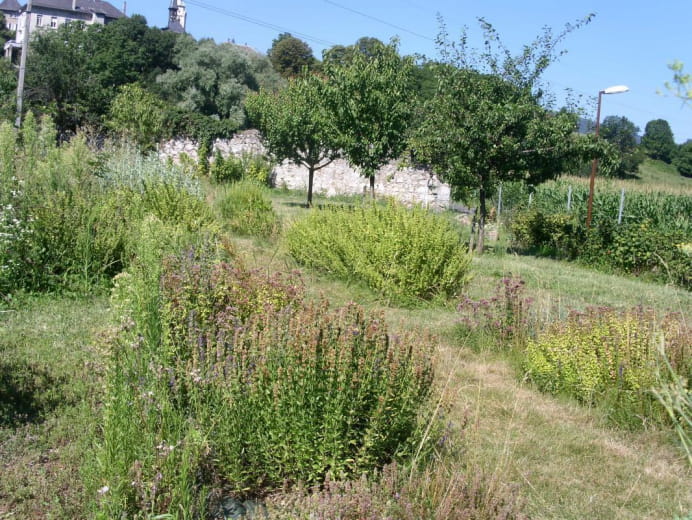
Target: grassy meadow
[(76, 369)]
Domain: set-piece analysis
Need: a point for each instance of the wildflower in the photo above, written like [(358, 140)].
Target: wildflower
[(103, 490)]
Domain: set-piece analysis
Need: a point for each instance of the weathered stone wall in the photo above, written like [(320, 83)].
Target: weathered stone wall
[(409, 185)]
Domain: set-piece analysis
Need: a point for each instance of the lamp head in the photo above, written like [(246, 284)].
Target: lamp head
[(617, 89)]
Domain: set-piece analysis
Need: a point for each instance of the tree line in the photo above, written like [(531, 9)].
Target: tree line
[(476, 117)]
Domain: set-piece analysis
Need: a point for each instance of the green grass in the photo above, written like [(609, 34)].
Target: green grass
[(564, 460), (662, 176), (41, 457)]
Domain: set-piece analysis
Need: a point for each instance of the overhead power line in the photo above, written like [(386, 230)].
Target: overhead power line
[(261, 23), (379, 20)]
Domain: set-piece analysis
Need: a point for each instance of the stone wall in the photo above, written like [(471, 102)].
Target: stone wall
[(409, 185)]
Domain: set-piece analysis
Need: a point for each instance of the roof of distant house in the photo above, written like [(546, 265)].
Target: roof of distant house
[(89, 6), (10, 5)]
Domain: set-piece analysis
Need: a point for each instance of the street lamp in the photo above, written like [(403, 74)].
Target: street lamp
[(617, 89)]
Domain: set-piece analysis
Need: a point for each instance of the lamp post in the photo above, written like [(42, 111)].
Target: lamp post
[(617, 89)]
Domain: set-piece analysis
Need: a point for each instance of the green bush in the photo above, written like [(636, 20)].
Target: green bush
[(552, 235), (248, 166), (224, 376), (67, 213), (609, 358), (407, 255), (247, 207)]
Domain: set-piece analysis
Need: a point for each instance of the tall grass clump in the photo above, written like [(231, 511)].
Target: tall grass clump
[(248, 209), (67, 213), (504, 318), (607, 358), (407, 255), (146, 456), (225, 378), (674, 393)]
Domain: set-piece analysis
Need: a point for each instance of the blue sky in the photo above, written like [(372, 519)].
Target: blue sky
[(628, 42)]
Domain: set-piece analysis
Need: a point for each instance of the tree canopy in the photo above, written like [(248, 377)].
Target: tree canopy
[(622, 133), (486, 124), (75, 71), (658, 140), (296, 124), (683, 159), (212, 79), (290, 55), (370, 98)]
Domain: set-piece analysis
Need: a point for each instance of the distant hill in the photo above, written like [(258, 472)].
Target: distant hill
[(652, 172)]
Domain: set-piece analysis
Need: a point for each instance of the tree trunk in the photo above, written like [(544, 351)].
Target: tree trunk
[(311, 176), (372, 186), (482, 213)]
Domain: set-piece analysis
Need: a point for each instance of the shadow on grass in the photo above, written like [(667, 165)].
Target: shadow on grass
[(27, 392)]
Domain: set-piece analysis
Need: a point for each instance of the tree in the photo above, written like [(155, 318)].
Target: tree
[(486, 123), (683, 159), (682, 82), (290, 55), (622, 133), (658, 140), (58, 79), (75, 71), (296, 124), (8, 90), (5, 33), (340, 55), (138, 115), (211, 79), (371, 101)]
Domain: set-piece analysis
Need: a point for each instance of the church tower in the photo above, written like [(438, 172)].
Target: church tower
[(177, 16)]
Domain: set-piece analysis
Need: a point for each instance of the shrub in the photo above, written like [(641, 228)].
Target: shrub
[(226, 170), (248, 166), (249, 210), (553, 235), (407, 255), (294, 391), (605, 357), (224, 377), (505, 314)]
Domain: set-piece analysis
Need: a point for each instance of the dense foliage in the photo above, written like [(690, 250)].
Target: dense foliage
[(193, 88), (407, 255), (290, 56), (622, 133), (658, 140), (296, 124), (651, 241), (252, 387), (609, 358), (68, 215), (683, 159), (247, 207), (487, 124)]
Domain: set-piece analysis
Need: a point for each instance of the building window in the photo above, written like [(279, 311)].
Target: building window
[(39, 20), (53, 21)]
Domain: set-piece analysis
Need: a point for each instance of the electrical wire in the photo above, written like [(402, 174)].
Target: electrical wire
[(261, 23), (379, 20)]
